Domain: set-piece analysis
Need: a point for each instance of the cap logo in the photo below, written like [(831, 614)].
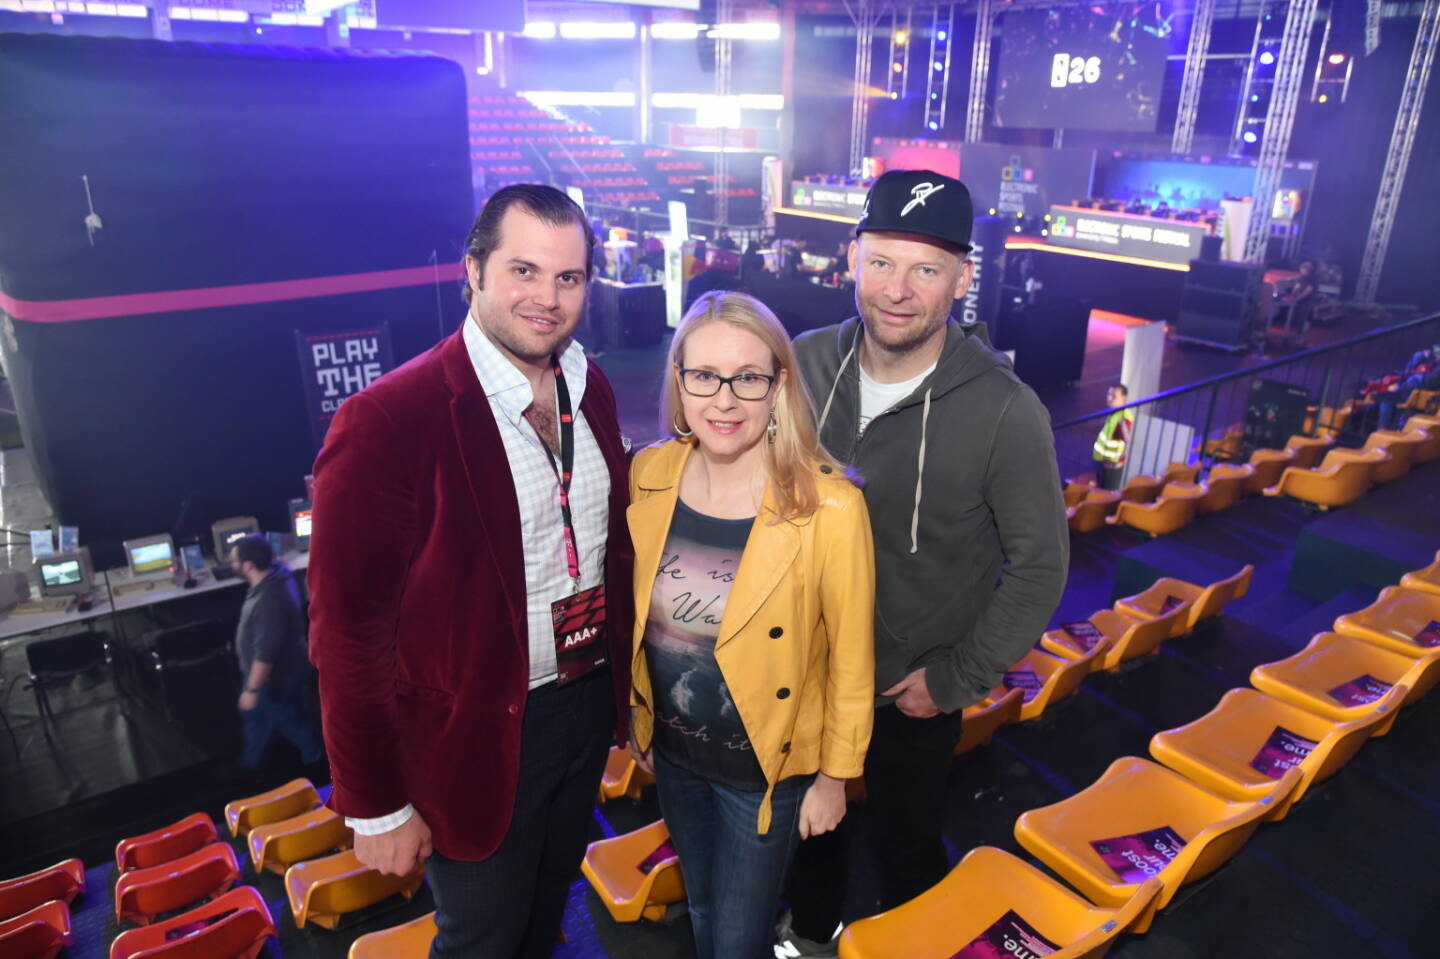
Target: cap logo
[(921, 192)]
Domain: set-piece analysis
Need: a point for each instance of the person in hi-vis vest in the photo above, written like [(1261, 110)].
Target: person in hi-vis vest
[(1113, 443)]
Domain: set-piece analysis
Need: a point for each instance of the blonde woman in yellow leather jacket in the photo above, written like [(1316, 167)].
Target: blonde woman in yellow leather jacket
[(754, 645)]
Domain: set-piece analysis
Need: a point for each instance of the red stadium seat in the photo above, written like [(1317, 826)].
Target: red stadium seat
[(236, 925), (63, 881), (38, 934), (166, 843), (142, 894)]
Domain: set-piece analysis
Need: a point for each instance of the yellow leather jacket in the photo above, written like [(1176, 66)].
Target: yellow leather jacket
[(797, 641)]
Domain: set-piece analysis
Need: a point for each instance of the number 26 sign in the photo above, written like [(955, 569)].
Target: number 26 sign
[(1066, 70)]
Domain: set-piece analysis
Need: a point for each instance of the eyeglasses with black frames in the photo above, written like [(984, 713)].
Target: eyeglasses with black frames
[(745, 386)]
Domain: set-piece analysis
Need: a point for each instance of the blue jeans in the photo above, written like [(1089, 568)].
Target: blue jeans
[(291, 717), (733, 875)]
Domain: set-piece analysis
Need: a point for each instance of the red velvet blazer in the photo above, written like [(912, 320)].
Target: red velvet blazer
[(417, 609)]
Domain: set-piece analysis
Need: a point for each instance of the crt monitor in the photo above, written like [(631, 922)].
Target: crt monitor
[(150, 555), (300, 519), (65, 574), (228, 532)]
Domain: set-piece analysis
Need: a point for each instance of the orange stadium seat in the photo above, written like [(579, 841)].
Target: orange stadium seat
[(1429, 450), (1128, 637), (636, 874), (1181, 473), (1043, 679), (1342, 678), (1137, 821), (1400, 448), (1404, 620), (1204, 601), (1341, 479), (1174, 508), (1426, 579), (278, 845), (623, 776), (1142, 489), (979, 722), (323, 890), (410, 940), (1091, 512), (282, 802), (1308, 449), (1224, 487), (1249, 740), (1269, 465), (978, 898)]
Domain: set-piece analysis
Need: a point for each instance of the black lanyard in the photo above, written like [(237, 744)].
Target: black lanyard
[(565, 470)]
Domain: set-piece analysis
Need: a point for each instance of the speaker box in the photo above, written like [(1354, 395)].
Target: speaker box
[(1220, 303)]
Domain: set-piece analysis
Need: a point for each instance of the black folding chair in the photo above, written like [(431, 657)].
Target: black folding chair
[(185, 647), (55, 662)]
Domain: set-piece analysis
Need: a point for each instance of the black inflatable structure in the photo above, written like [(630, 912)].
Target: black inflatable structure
[(172, 215)]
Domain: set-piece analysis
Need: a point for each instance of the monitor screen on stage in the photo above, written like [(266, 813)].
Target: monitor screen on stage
[(64, 573), (228, 532), (154, 555), (302, 523), (1089, 67)]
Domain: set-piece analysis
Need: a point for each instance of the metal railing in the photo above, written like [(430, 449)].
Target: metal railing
[(1226, 417)]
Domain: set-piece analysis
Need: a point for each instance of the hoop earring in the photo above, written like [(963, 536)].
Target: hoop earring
[(678, 430), (772, 428)]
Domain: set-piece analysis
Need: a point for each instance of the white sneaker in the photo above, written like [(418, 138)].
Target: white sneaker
[(788, 945)]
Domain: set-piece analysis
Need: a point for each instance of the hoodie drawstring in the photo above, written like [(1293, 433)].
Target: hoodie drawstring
[(919, 477), (835, 385)]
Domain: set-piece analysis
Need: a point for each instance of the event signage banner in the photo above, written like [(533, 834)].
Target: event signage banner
[(1125, 234), (336, 366), (835, 199), (1024, 179)]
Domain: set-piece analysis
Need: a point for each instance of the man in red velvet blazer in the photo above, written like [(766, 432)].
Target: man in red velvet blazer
[(462, 735)]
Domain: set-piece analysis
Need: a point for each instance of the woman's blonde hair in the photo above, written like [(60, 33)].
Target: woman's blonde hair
[(791, 460)]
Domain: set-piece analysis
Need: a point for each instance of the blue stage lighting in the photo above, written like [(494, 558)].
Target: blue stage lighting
[(940, 35), (1254, 98), (939, 65)]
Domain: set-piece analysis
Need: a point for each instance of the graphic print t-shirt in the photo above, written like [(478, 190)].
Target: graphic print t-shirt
[(696, 724)]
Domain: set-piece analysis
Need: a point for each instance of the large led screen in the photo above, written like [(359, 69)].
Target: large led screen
[(1091, 67)]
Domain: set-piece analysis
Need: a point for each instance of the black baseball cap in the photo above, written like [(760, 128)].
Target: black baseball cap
[(920, 201)]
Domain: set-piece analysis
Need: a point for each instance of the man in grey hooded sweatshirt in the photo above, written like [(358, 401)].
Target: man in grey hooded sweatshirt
[(971, 542)]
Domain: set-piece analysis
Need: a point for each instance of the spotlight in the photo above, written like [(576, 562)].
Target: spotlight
[(1336, 58), (1324, 98), (940, 35), (1254, 98), (939, 65), (1047, 218), (934, 125), (1249, 136), (894, 95), (1045, 232), (1267, 58), (992, 211), (934, 96), (900, 37), (897, 66)]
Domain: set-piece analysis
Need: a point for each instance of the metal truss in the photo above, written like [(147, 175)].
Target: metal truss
[(937, 68), (1202, 16), (979, 70), (864, 14), (723, 87), (1397, 161), (1279, 122), (897, 82)]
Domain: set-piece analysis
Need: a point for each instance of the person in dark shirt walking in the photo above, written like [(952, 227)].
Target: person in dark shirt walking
[(270, 643)]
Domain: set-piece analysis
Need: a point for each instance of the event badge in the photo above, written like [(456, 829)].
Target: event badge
[(580, 646)]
